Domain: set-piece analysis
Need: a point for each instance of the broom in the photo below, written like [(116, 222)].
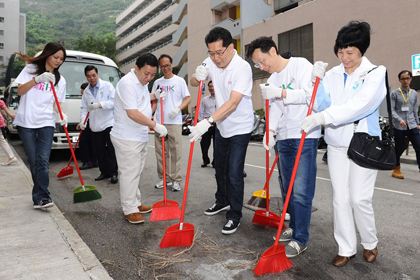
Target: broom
[(258, 198), (265, 217), (182, 234), (68, 170), (82, 193), (274, 259), (166, 209)]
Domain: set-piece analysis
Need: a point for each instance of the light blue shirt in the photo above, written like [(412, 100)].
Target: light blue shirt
[(94, 90)]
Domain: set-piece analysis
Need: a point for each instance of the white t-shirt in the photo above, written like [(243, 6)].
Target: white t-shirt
[(131, 94), (294, 77), (36, 107), (236, 77), (176, 90)]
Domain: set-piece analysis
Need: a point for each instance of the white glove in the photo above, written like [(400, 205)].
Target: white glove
[(318, 70), (82, 125), (159, 93), (198, 130), (93, 106), (312, 121), (270, 91), (174, 113), (63, 121), (201, 73), (45, 77), (271, 141), (161, 129)]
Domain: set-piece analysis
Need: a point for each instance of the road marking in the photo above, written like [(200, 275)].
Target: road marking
[(387, 190)]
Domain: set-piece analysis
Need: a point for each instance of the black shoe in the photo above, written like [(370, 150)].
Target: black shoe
[(216, 208), (95, 164), (86, 165), (230, 227), (245, 174), (45, 203), (114, 179), (204, 164), (101, 177)]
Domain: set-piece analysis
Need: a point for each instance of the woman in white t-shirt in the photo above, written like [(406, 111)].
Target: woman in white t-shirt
[(35, 119)]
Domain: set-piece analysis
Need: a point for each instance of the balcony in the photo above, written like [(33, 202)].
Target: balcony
[(234, 27), (183, 72), (131, 10), (180, 11), (182, 54), (220, 5), (182, 32)]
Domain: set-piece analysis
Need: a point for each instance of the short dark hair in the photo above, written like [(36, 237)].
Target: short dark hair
[(405, 71), (219, 33), (90, 68), (262, 43), (210, 82), (165, 55), (147, 58), (84, 85), (354, 34)]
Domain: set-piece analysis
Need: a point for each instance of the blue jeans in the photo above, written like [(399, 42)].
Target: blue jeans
[(300, 204), (38, 143), (229, 164)]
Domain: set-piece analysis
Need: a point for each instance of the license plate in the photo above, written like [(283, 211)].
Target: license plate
[(74, 139)]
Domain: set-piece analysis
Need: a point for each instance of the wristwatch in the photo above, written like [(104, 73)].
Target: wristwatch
[(210, 120)]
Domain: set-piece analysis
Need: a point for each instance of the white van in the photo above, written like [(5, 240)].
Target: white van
[(73, 71)]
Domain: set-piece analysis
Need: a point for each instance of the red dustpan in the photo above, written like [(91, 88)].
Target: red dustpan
[(274, 259), (68, 170), (265, 217), (165, 209), (182, 234)]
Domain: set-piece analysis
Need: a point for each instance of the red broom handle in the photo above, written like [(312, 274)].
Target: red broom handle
[(78, 138), (187, 178), (68, 137), (272, 170), (163, 154), (295, 167), (267, 155)]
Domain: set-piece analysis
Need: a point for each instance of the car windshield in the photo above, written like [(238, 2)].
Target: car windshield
[(74, 74)]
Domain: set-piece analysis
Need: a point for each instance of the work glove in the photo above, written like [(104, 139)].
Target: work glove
[(159, 93), (93, 106), (63, 121), (318, 70), (174, 113), (82, 125), (201, 73), (198, 130), (271, 141), (45, 77), (270, 91), (161, 129), (312, 121)]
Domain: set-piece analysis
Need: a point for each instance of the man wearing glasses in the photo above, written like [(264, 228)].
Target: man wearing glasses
[(232, 80), (177, 98), (405, 118)]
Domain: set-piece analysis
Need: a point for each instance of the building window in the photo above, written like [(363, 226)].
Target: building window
[(1, 58), (1, 19), (298, 41), (1, 5), (1, 46), (1, 32), (281, 6)]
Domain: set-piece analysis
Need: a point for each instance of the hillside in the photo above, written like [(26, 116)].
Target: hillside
[(69, 21)]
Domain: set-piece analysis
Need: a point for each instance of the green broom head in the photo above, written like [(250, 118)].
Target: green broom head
[(88, 194)]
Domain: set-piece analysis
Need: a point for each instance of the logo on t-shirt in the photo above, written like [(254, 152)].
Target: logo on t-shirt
[(44, 87), (168, 88), (288, 86)]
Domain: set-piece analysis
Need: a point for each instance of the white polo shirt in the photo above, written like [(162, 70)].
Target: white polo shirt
[(236, 77), (36, 107), (131, 94)]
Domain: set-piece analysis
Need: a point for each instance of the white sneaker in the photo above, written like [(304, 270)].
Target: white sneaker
[(160, 185), (286, 235), (287, 217), (176, 187), (10, 161)]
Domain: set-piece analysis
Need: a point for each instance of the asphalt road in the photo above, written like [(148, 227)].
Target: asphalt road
[(132, 251)]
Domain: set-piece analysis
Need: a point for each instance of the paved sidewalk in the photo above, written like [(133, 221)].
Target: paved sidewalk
[(38, 244)]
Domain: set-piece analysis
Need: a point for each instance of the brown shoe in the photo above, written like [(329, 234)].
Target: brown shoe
[(145, 209), (370, 255), (397, 173), (135, 218), (341, 261)]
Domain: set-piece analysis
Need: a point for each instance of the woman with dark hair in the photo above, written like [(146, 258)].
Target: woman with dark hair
[(352, 91), (35, 119)]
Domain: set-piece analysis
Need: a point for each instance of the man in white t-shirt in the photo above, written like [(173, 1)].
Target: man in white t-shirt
[(130, 133), (289, 89), (232, 80), (177, 98)]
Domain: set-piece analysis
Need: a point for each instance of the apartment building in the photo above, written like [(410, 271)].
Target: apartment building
[(12, 31)]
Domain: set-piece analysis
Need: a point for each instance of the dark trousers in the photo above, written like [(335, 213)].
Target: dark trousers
[(87, 144), (412, 135), (229, 164), (205, 144), (105, 153)]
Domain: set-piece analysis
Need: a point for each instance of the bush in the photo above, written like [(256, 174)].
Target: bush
[(260, 112)]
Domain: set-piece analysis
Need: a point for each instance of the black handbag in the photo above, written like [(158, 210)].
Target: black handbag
[(369, 151)]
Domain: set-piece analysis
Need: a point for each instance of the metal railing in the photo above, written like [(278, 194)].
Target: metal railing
[(154, 49)]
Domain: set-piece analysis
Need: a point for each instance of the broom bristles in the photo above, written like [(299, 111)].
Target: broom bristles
[(273, 260), (256, 203), (88, 194)]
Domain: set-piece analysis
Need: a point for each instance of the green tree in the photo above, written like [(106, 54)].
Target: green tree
[(103, 45)]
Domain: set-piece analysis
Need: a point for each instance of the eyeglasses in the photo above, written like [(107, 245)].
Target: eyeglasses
[(258, 65), (405, 79), (165, 66), (218, 53)]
